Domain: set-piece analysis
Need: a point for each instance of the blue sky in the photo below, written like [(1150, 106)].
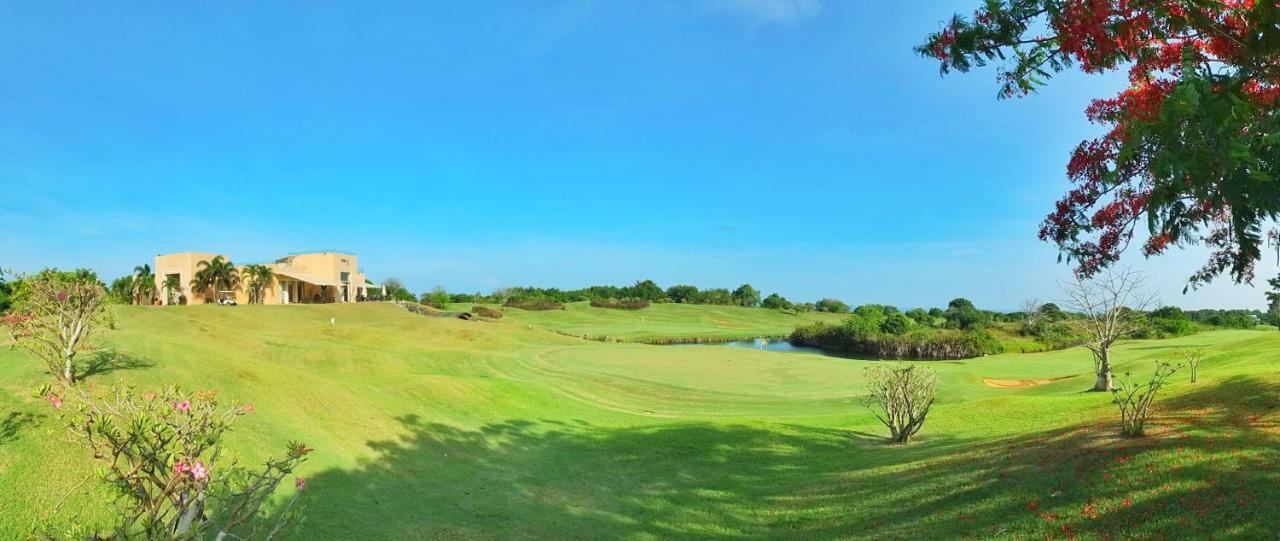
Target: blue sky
[(798, 145)]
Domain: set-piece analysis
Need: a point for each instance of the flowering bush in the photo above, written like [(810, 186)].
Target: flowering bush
[(54, 316), (162, 453)]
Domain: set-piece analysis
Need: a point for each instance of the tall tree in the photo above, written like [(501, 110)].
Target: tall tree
[(144, 285), (258, 278), (1273, 301), (213, 276), (746, 295), (1191, 147), (1110, 307)]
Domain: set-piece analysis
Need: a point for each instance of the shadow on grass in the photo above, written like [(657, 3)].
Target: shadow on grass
[(13, 424), (106, 362), (1208, 469)]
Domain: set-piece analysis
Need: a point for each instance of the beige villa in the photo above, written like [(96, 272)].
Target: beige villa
[(314, 277)]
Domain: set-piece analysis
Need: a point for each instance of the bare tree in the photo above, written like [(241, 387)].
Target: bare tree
[(903, 395), (1193, 357), (1109, 307), (54, 317)]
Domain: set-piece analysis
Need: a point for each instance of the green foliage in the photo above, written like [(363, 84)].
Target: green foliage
[(647, 290), (624, 304), (746, 295), (684, 294), (857, 335), (1273, 301), (397, 291), (776, 302), (962, 314), (1229, 319), (1167, 322), (897, 323), (436, 298), (6, 293), (258, 278), (834, 306), (121, 290)]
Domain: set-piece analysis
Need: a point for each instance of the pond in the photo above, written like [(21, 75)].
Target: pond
[(776, 344)]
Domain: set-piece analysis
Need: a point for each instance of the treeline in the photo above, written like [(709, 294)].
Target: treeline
[(625, 297), (958, 332)]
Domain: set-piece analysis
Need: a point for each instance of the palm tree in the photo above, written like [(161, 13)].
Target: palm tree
[(259, 277), (215, 275), (144, 284), (172, 284)]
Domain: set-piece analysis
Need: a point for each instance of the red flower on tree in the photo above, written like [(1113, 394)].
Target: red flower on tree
[(1189, 150)]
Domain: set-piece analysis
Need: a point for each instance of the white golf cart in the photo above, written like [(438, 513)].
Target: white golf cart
[(227, 298)]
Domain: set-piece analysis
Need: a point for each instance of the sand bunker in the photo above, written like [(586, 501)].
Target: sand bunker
[(1016, 383)]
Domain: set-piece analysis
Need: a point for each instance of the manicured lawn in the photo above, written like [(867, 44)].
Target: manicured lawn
[(664, 321), (441, 428)]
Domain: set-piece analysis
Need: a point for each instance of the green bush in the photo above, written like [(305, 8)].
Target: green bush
[(535, 305), (855, 337), (624, 304)]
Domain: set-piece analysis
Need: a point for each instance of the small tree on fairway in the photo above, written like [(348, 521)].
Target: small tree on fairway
[(1110, 306), (54, 316), (1193, 357), (1135, 398), (901, 397)]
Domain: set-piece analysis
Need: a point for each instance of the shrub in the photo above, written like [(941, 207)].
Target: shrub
[(54, 316), (900, 397), (776, 302), (624, 304), (856, 336), (162, 454), (833, 306), (485, 311), (534, 304), (1193, 357), (1135, 398)]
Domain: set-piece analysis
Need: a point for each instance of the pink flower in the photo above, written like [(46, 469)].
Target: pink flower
[(180, 468), (199, 472), (185, 405), (61, 296), (300, 484), (55, 400), (248, 408)]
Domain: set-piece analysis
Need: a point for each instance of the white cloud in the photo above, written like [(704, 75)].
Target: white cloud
[(767, 11)]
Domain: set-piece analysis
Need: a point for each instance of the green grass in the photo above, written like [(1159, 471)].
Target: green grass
[(664, 321), (441, 428)]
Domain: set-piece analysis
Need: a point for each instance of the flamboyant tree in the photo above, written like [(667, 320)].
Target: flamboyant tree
[(1191, 147)]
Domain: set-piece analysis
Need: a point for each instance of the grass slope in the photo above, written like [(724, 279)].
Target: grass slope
[(434, 427), (665, 320)]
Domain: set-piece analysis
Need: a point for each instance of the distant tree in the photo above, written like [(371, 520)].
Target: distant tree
[(896, 323), (746, 295), (962, 314), (396, 290), (437, 297), (684, 294), (834, 306), (1052, 312), (648, 290), (1273, 300), (1111, 306), (215, 276), (920, 316), (6, 292), (717, 296), (258, 278), (53, 317), (802, 307), (776, 302), (144, 285), (121, 290)]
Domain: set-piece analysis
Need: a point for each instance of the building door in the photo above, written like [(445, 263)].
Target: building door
[(284, 292)]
